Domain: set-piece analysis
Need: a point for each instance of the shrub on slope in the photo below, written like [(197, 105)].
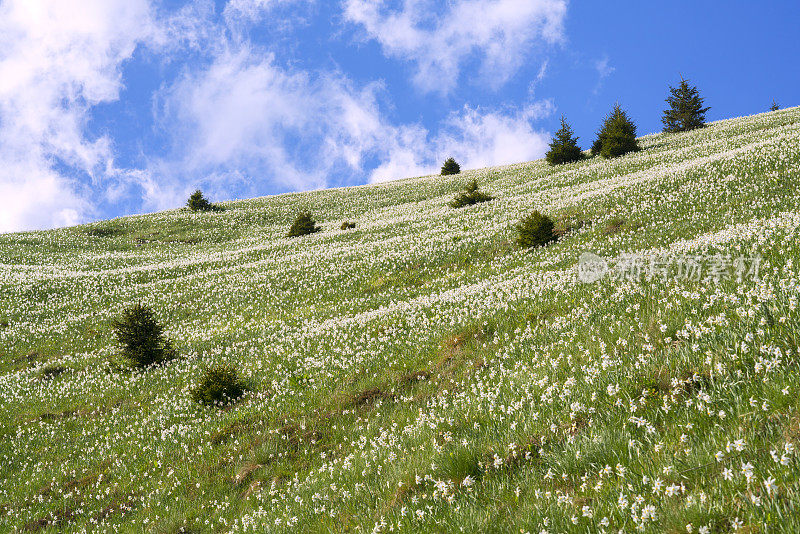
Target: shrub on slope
[(303, 225), (197, 202), (220, 385), (471, 195), (450, 167), (535, 230)]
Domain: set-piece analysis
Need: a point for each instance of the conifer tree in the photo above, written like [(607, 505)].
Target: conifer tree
[(686, 111), (142, 337), (450, 167), (617, 135), (197, 202), (564, 147)]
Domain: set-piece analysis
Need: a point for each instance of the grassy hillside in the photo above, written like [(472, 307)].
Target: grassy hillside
[(420, 373)]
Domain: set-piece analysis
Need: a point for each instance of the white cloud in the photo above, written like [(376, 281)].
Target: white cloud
[(405, 153), (244, 121), (57, 60), (501, 33), (473, 137), (244, 115), (487, 139), (539, 77), (36, 197), (603, 67)]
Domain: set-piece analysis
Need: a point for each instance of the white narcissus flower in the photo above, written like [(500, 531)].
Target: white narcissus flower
[(769, 485)]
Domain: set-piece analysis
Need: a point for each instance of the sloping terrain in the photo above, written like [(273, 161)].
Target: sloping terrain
[(420, 373)]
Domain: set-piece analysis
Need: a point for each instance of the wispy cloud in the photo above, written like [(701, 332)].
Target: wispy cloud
[(243, 113), (254, 10), (501, 33), (604, 70)]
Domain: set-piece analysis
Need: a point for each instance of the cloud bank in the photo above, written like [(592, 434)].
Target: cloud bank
[(57, 61)]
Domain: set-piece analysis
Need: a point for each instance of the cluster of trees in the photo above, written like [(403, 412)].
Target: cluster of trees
[(616, 137), (617, 134)]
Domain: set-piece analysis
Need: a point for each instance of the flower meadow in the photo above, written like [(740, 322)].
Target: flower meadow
[(420, 372)]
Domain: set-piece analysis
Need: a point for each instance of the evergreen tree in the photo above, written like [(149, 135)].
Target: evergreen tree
[(564, 147), (597, 145), (141, 337), (774, 106), (450, 167), (617, 135), (197, 202), (303, 225), (686, 111)]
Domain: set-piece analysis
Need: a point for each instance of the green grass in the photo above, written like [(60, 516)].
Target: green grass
[(420, 373)]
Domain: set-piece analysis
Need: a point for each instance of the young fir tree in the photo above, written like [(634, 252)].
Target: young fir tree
[(564, 147), (617, 135), (774, 106), (686, 111), (450, 167), (141, 337), (197, 202), (303, 225)]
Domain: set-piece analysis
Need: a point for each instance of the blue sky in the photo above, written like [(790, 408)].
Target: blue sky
[(112, 107)]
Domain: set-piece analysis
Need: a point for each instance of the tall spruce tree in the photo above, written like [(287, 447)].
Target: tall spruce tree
[(564, 147), (617, 135), (686, 111), (450, 167)]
